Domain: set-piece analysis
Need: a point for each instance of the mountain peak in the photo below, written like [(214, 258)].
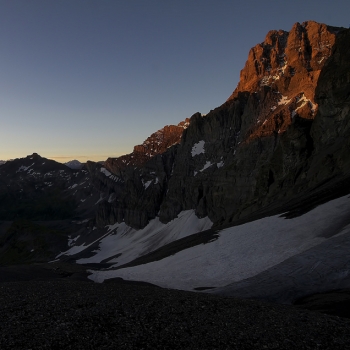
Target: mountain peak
[(74, 164), (281, 73), (285, 59), (34, 156)]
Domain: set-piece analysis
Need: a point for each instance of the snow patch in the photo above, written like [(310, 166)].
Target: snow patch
[(284, 100), (24, 168), (147, 183), (71, 241), (304, 101), (109, 174), (131, 243), (198, 148), (77, 249), (105, 172), (206, 166)]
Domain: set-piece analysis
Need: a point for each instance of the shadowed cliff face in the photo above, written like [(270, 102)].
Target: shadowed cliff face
[(331, 128), (263, 147)]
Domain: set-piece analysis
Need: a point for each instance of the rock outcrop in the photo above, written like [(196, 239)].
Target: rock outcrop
[(281, 134)]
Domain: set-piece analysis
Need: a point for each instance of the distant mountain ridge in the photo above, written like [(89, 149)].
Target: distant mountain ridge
[(38, 188), (42, 202), (74, 164)]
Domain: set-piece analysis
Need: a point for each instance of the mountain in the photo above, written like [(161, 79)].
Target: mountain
[(37, 188), (74, 164), (259, 148), (251, 200), (206, 213), (2, 162), (39, 198)]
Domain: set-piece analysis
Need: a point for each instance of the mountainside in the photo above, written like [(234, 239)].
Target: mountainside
[(272, 258), (122, 184), (250, 200), (261, 147), (206, 213), (39, 198), (37, 188)]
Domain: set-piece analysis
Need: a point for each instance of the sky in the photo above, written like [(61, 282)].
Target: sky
[(89, 79)]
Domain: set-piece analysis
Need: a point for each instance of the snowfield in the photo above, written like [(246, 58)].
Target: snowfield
[(128, 244), (239, 253)]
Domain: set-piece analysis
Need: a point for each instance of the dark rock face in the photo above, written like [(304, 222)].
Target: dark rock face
[(276, 137), (133, 194), (331, 127)]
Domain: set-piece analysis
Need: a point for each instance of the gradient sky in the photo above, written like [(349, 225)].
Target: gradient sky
[(89, 79)]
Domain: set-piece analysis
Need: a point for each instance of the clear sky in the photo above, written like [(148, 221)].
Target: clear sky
[(89, 79)]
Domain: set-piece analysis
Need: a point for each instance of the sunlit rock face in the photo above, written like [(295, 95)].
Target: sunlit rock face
[(288, 64), (281, 134), (287, 59)]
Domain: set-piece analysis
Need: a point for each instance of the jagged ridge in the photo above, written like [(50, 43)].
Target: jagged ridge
[(157, 143)]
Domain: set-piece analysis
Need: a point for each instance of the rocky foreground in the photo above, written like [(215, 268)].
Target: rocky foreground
[(72, 314)]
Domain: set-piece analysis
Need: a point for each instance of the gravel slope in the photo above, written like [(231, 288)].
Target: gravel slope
[(63, 314)]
